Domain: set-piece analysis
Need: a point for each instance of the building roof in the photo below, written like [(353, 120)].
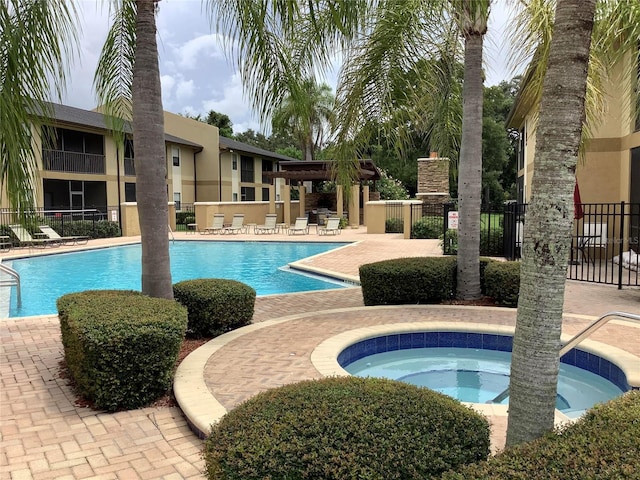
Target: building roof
[(88, 118), (321, 170), (230, 144)]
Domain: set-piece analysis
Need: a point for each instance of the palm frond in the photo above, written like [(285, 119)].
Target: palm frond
[(114, 75), (37, 44), (390, 76)]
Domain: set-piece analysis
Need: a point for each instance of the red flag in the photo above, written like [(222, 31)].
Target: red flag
[(578, 212)]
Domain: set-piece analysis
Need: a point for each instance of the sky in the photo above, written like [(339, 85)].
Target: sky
[(196, 75)]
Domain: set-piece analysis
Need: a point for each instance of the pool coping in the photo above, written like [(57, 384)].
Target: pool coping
[(202, 409)]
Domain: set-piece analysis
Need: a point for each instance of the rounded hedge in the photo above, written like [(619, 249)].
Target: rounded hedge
[(345, 428), (120, 346), (406, 281), (602, 445), (215, 305), (502, 282)]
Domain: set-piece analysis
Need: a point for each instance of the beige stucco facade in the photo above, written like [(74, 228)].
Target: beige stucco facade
[(604, 174), (85, 169)]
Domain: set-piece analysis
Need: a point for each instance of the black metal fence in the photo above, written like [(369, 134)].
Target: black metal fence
[(394, 222), (93, 222), (440, 221), (185, 214), (605, 242)]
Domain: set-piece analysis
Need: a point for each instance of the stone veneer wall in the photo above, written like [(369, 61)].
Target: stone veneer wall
[(433, 180)]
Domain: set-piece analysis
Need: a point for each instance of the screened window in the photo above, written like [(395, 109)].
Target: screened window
[(247, 169), (175, 154), (247, 194)]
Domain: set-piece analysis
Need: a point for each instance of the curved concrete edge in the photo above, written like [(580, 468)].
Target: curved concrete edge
[(203, 410), (198, 404), (302, 266)]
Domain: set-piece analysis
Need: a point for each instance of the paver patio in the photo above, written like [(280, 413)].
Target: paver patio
[(43, 434)]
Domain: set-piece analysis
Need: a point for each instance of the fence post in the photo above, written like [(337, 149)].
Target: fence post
[(621, 244)]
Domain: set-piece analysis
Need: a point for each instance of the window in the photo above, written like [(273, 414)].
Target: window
[(234, 161), (520, 150), (247, 194), (265, 194), (175, 154), (176, 200), (235, 197), (246, 169), (128, 148), (267, 166), (129, 192)]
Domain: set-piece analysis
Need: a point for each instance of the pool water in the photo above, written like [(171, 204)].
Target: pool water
[(259, 264), (478, 376)]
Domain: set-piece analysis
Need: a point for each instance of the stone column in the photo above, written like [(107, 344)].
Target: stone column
[(272, 199), (303, 191), (433, 179), (285, 196)]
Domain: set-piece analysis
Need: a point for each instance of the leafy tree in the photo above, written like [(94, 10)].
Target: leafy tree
[(306, 120), (222, 121)]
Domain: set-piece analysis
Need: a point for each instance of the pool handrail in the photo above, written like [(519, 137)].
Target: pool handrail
[(579, 337), (14, 281)]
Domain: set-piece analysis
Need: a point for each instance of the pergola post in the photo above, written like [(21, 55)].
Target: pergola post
[(272, 199), (365, 199), (303, 191), (285, 196), (339, 201), (354, 206)]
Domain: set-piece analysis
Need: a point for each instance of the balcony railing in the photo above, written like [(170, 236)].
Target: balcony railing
[(59, 161), (129, 167)]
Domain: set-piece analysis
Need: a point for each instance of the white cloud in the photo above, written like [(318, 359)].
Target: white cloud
[(167, 82), (191, 54), (184, 90)]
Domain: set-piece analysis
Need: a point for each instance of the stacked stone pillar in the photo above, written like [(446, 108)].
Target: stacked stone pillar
[(433, 179)]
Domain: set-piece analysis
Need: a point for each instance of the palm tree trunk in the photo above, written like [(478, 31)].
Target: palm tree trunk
[(150, 158), (470, 171), (536, 344)]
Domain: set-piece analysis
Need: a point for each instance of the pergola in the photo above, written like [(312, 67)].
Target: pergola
[(301, 171)]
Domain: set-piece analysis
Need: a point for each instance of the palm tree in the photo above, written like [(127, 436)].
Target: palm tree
[(127, 84), (306, 113), (472, 16), (572, 62), (36, 43)]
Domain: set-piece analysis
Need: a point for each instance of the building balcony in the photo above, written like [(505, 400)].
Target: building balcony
[(73, 162)]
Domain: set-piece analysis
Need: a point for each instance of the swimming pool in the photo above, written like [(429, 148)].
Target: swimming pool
[(475, 367), (259, 264)]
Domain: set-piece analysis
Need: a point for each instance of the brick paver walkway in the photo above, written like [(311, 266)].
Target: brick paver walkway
[(44, 435)]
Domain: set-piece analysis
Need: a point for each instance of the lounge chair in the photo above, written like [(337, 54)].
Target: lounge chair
[(218, 224), (237, 224), (26, 240), (301, 226), (269, 224), (331, 227), (53, 235)]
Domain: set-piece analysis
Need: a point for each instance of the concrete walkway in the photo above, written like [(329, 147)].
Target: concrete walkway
[(43, 434)]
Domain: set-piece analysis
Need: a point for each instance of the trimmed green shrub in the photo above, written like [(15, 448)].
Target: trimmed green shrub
[(215, 305), (394, 225), (502, 282), (88, 228), (427, 227), (408, 281), (602, 445), (185, 217), (345, 428), (121, 346)]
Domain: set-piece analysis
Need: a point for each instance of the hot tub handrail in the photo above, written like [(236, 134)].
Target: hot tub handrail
[(579, 337)]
